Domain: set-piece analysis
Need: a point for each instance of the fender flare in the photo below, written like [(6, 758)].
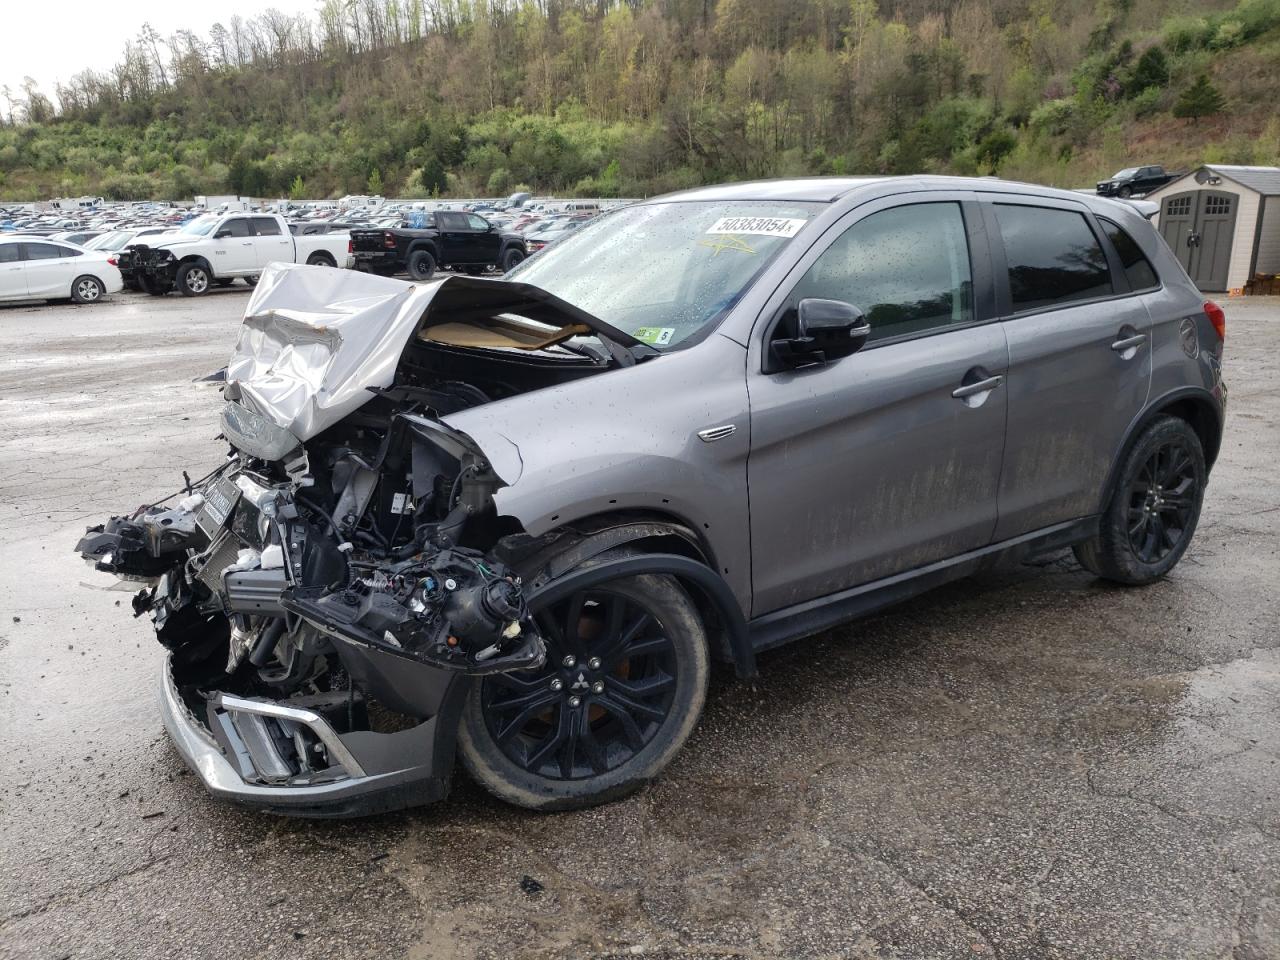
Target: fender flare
[(422, 244), (1153, 409), (689, 572)]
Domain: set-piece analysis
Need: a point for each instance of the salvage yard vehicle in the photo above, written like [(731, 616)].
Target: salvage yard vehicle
[(521, 517), (215, 249), (1134, 181), (34, 268), (450, 239)]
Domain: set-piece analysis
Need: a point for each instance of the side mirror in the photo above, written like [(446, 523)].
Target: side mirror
[(826, 330)]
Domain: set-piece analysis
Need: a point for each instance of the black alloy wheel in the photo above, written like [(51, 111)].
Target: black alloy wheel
[(622, 688), (606, 689), (1163, 499), (1154, 507)]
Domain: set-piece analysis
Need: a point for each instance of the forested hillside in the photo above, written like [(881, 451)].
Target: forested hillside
[(633, 97)]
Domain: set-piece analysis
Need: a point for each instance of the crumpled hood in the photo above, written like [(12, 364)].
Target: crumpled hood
[(315, 340)]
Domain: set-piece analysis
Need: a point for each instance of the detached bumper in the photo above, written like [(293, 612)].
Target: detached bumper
[(375, 772)]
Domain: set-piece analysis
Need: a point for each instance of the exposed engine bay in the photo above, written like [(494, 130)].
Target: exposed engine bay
[(328, 581)]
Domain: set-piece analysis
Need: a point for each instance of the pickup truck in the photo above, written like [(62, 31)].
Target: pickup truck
[(447, 238), (215, 249), (1135, 180)]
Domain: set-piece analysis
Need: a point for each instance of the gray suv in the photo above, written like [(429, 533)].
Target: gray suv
[(516, 520)]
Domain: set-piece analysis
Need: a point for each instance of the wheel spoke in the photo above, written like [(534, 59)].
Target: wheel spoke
[(526, 709), (573, 642), (647, 645), (630, 729), (637, 708), (620, 641), (643, 688), (593, 750), (569, 749), (551, 744)]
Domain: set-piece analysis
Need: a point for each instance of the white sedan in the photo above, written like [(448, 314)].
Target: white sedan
[(35, 268)]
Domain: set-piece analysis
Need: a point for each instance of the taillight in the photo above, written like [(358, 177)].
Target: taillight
[(389, 241), (1217, 317), (351, 245), (113, 261)]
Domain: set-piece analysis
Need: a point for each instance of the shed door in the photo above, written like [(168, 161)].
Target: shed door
[(1211, 249), (1199, 226), (1177, 224)]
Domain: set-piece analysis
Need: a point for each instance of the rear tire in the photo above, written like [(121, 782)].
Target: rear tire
[(1154, 507), (607, 729), (87, 289), (193, 280), (421, 265), (320, 260), (250, 281)]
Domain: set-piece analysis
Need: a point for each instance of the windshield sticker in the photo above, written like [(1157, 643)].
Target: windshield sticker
[(723, 243), (758, 226), (655, 336)]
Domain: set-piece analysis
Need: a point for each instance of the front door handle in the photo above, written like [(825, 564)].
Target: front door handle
[(1128, 343), (980, 386)]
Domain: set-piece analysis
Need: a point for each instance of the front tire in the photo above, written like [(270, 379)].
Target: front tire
[(1124, 193), (193, 280), (511, 259), (421, 265), (87, 290), (1153, 511), (623, 687), (250, 281)]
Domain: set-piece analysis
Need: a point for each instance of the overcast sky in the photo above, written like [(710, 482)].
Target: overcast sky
[(53, 41)]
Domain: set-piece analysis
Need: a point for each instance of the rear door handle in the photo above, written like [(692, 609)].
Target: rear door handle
[(982, 386), (1128, 343)]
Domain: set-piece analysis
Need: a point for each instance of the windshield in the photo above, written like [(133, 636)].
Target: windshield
[(200, 226), (1127, 172), (662, 272)]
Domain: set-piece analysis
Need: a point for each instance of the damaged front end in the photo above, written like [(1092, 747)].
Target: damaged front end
[(326, 593)]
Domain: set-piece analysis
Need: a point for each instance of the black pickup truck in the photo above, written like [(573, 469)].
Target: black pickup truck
[(1135, 180), (448, 239)]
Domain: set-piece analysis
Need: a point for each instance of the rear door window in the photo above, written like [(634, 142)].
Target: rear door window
[(451, 221), (43, 251), (266, 226), (1053, 256), (1138, 269)]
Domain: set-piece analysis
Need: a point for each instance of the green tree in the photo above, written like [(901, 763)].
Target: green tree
[(434, 178), (297, 189), (1201, 99), (1151, 70), (375, 182)]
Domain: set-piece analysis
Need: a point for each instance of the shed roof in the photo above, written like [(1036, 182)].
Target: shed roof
[(1265, 180)]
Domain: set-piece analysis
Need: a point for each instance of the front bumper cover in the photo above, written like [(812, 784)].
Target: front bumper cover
[(386, 771)]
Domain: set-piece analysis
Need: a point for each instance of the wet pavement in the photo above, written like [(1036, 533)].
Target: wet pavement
[(1028, 764)]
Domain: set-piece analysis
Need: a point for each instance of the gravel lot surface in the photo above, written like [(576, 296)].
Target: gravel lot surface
[(1027, 764)]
